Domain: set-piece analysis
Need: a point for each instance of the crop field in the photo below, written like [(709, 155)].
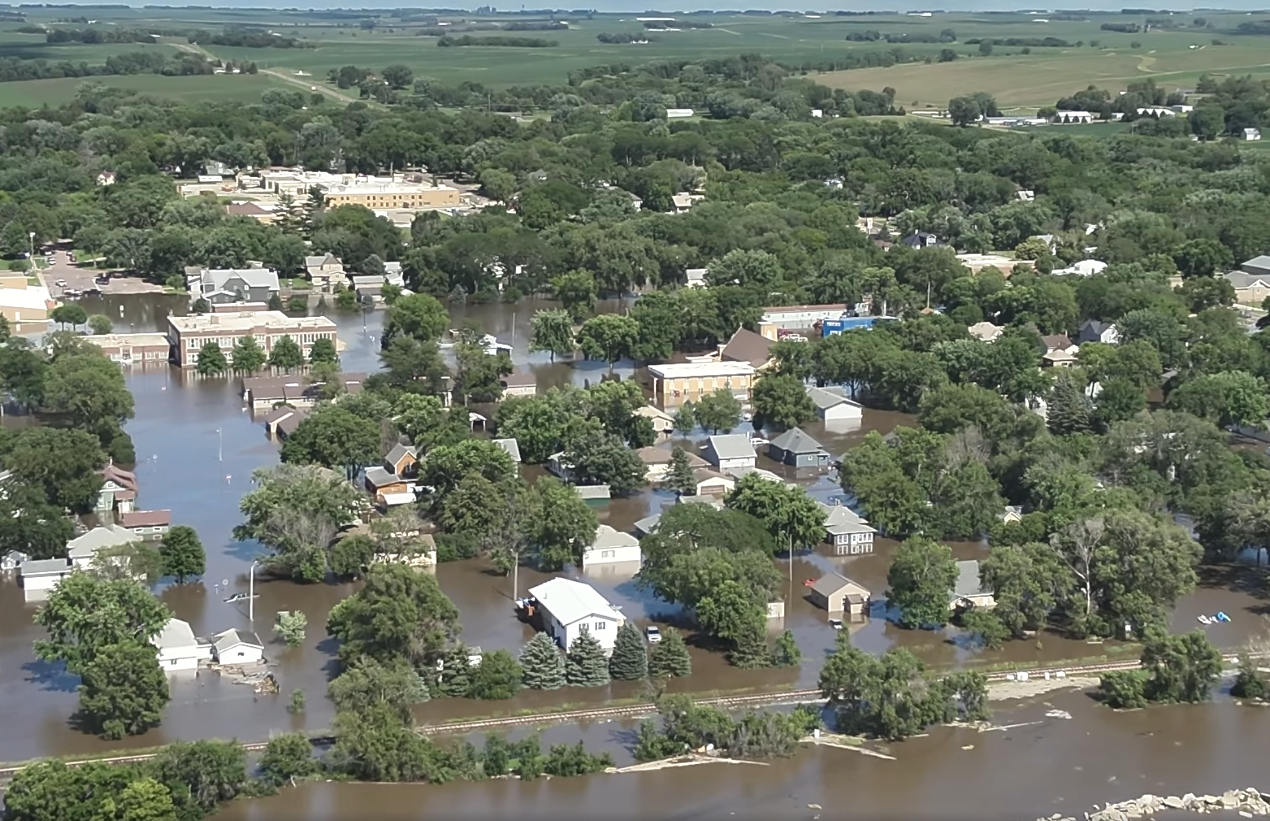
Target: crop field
[(245, 88), (1175, 56)]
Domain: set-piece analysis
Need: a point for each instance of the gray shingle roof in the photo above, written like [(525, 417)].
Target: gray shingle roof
[(43, 567), (968, 583), (378, 477), (840, 519), (253, 277), (511, 446), (231, 638), (831, 583), (1242, 279), (86, 546), (796, 440), (606, 538), (571, 601), (175, 634), (829, 397), (1257, 264), (731, 446), (747, 346), (400, 452), (646, 524)]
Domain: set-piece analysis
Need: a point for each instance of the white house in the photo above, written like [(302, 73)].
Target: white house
[(732, 450), (569, 607), (610, 547), (43, 574), (178, 648), (833, 404), (82, 550), (1252, 134), (847, 531), (11, 561), (696, 277), (985, 331), (1084, 268), (238, 647)]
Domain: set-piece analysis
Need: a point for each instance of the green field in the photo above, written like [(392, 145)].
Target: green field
[(35, 93), (1175, 57)]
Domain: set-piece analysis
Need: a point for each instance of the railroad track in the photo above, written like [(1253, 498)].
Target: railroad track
[(629, 711)]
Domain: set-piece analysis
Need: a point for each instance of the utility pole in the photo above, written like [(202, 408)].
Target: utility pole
[(251, 596), (220, 451)]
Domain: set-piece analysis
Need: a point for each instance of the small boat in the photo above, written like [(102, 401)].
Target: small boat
[(1204, 619), (1221, 616), (809, 582)]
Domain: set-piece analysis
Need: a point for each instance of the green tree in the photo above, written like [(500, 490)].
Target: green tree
[(182, 554), (782, 401), (669, 657), (290, 627), (685, 418), (69, 314), (366, 683), (552, 331), (718, 411), (86, 614), (1026, 581), (202, 774), (989, 628), (629, 661), (1180, 668), (247, 355), (921, 581), (608, 338), (123, 690), (288, 757), (1123, 689), (497, 677), (286, 354), (1226, 398), (788, 513), (576, 291), (143, 800), (298, 702), (1118, 401), (334, 437), (323, 350), (605, 460), (61, 463), (680, 477), (399, 613), (543, 664), (418, 316), (585, 664), (211, 360), (563, 525), (963, 111), (100, 324), (455, 679), (786, 653), (87, 389), (1069, 409)]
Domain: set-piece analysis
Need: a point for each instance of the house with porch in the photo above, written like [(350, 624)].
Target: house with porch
[(118, 490), (848, 532)]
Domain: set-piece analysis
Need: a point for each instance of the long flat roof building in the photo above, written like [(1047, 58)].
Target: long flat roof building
[(188, 334)]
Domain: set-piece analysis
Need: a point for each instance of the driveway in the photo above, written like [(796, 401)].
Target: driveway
[(63, 275)]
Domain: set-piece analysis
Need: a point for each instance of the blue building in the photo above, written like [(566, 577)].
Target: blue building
[(832, 327)]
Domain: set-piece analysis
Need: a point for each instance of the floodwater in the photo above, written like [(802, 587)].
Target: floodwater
[(1096, 756), (198, 447)]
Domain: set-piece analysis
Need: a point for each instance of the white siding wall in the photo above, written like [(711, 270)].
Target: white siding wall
[(631, 553)]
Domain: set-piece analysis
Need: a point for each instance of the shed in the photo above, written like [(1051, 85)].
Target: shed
[(833, 404), (838, 594), (238, 647), (796, 448)]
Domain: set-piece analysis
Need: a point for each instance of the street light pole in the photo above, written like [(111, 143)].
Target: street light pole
[(220, 452), (31, 248), (251, 596)]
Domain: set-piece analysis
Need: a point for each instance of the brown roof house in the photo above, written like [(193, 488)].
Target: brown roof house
[(657, 460), (838, 594), (519, 383), (118, 490), (392, 481), (287, 425), (1060, 351), (747, 346), (147, 524)]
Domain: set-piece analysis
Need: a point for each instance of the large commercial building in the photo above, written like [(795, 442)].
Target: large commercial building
[(188, 334), (132, 349), (399, 192), (676, 383)]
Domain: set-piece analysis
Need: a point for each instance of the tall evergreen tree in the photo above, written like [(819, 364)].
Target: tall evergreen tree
[(543, 663), (456, 672), (786, 653), (680, 478), (629, 661), (586, 665), (669, 658), (1070, 410)]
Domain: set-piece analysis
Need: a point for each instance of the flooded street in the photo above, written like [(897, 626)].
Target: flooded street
[(197, 447)]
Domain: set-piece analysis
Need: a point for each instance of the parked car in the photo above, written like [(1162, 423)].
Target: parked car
[(61, 283), (653, 634), (836, 624)]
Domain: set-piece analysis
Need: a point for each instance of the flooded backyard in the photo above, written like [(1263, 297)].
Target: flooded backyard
[(197, 447)]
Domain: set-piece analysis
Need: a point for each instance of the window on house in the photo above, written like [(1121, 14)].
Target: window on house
[(600, 625), (606, 554)]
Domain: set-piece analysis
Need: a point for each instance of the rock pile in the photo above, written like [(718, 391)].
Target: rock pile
[(1247, 803)]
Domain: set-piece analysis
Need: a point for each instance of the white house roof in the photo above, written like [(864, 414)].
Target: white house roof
[(842, 519), (44, 567), (26, 299), (229, 639), (829, 397), (253, 277), (86, 546), (985, 331), (571, 601), (732, 446), (511, 446), (968, 583), (606, 538), (176, 635)]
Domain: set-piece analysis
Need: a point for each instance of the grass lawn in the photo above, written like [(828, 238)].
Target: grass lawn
[(214, 88)]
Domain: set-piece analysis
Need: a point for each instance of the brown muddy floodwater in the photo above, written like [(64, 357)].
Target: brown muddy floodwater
[(1051, 764), (197, 448)]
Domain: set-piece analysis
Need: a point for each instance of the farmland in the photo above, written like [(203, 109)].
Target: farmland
[(35, 93), (1018, 77)]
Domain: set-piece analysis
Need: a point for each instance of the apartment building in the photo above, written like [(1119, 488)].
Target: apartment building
[(188, 334), (676, 383), (401, 191)]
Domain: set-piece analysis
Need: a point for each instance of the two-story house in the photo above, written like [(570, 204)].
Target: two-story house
[(223, 286), (396, 476), (325, 272), (846, 531)]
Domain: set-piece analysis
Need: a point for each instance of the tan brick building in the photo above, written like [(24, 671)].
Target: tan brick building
[(188, 334)]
